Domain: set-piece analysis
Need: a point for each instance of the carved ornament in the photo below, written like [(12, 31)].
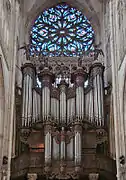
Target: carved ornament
[(32, 176)]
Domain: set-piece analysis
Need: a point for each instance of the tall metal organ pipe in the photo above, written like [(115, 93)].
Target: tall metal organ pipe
[(28, 71), (89, 105), (78, 143), (36, 105), (78, 78), (55, 104), (70, 104), (46, 78), (96, 73), (63, 102), (48, 143)]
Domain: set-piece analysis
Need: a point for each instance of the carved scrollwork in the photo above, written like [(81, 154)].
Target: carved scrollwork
[(32, 176), (48, 127), (93, 176), (101, 135), (24, 134)]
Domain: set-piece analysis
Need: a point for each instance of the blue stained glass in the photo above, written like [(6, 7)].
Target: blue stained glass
[(61, 30)]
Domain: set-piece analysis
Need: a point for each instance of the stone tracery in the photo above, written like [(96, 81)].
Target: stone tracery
[(61, 30)]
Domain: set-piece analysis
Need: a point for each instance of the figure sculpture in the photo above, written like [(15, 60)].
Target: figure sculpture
[(26, 47)]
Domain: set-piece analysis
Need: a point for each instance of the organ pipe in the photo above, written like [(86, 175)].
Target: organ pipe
[(55, 149), (70, 105), (70, 149), (70, 109), (96, 73), (63, 102), (46, 78), (89, 105), (48, 142), (28, 71), (78, 143), (62, 145), (36, 106), (55, 104), (78, 78)]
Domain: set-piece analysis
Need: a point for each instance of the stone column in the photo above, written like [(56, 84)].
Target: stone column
[(28, 71), (78, 142), (78, 78), (32, 176), (46, 78), (63, 102), (96, 73), (48, 143), (93, 176)]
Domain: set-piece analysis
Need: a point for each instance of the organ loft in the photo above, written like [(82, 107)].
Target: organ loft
[(63, 130), (62, 115)]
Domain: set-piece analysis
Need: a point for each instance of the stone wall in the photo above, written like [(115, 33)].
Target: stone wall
[(10, 31), (116, 40)]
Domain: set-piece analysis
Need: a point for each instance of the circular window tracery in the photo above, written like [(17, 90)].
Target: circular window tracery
[(61, 31)]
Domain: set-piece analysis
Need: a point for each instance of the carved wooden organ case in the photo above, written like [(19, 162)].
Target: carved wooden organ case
[(70, 98)]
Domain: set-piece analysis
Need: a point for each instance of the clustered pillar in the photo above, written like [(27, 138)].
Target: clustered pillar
[(28, 71)]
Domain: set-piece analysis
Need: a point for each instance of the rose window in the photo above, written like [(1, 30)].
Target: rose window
[(61, 31)]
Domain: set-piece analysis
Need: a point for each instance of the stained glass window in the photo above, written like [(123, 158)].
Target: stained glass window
[(61, 31)]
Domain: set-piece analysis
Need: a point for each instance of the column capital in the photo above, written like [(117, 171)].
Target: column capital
[(93, 176), (32, 176)]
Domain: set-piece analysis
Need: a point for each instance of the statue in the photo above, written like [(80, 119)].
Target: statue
[(26, 47), (97, 51)]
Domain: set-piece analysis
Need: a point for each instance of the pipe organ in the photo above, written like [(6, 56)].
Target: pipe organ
[(63, 107), (28, 82)]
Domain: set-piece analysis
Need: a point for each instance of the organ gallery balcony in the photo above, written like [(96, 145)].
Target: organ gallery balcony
[(33, 162)]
